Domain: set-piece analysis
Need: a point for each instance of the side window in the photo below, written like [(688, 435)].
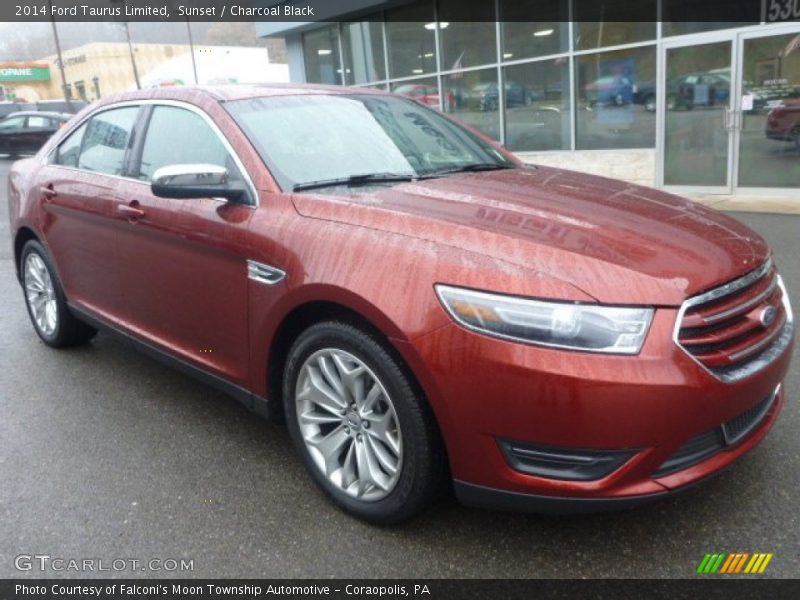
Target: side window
[(12, 124), (70, 149), (38, 122), (176, 136), (107, 137)]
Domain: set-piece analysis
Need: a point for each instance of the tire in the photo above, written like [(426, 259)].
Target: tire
[(398, 424), (47, 307)]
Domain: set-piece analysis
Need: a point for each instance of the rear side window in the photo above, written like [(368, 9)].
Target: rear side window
[(39, 122), (106, 139), (176, 136)]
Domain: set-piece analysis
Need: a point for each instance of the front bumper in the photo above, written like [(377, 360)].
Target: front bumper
[(484, 390), (480, 496)]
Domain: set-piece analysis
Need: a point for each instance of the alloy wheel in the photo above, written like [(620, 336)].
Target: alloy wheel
[(41, 294), (349, 424)]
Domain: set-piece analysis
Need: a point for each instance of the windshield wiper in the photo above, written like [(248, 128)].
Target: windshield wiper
[(471, 168), (364, 179)]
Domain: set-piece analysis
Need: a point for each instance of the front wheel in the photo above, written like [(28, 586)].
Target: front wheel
[(364, 431), (44, 297)]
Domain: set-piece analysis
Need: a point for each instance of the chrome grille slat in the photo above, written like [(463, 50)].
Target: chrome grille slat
[(739, 349), (745, 306), (732, 286), (758, 345)]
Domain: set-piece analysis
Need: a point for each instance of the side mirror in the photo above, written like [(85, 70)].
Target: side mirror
[(195, 181)]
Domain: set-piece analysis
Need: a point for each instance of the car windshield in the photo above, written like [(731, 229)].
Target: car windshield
[(307, 140)]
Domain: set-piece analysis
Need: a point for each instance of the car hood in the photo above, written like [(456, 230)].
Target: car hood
[(615, 241)]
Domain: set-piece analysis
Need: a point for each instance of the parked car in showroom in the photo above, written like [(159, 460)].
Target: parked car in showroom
[(486, 96), (610, 90), (783, 122), (699, 89), (27, 132), (426, 94), (423, 308)]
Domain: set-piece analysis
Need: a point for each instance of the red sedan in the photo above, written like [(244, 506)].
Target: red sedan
[(421, 306), (783, 122)]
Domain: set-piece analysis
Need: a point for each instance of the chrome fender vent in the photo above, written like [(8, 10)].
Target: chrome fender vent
[(264, 273)]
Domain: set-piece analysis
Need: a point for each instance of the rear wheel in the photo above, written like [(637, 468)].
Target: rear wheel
[(44, 297), (364, 431)]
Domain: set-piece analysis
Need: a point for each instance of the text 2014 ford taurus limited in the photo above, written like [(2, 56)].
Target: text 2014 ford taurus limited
[(420, 305)]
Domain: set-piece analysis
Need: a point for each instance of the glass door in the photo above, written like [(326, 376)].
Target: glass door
[(697, 117), (768, 109)]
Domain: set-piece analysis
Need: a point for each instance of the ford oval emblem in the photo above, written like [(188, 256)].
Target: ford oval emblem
[(768, 315)]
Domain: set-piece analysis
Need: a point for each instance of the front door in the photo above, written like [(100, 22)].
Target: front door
[(697, 115), (768, 111), (729, 112), (183, 262)]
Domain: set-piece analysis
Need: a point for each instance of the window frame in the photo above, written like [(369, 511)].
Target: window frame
[(149, 107), (53, 153), (253, 197)]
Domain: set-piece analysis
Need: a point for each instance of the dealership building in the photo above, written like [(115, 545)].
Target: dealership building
[(705, 108)]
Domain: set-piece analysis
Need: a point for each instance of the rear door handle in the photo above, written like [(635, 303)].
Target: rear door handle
[(48, 191), (132, 210)]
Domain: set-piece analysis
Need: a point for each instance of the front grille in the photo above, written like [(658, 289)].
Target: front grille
[(737, 328), (706, 445)]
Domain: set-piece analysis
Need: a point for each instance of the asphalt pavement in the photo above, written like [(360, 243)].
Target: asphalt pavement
[(106, 454)]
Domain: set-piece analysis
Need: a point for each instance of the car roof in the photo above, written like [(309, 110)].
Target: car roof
[(227, 93), (38, 113)]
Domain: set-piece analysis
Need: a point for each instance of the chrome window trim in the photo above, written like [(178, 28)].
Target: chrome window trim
[(157, 102), (49, 156), (768, 356)]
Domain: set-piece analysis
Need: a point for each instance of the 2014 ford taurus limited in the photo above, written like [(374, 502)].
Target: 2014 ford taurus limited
[(421, 306)]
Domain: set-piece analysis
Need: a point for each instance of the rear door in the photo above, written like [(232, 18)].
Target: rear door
[(80, 195), (183, 262)]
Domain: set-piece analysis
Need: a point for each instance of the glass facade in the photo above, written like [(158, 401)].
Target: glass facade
[(769, 150), (615, 99), (362, 46), (528, 77), (321, 54)]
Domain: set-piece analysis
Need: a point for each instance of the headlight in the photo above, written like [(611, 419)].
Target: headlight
[(588, 327)]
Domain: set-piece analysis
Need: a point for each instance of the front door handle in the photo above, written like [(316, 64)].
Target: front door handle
[(131, 211), (48, 191)]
